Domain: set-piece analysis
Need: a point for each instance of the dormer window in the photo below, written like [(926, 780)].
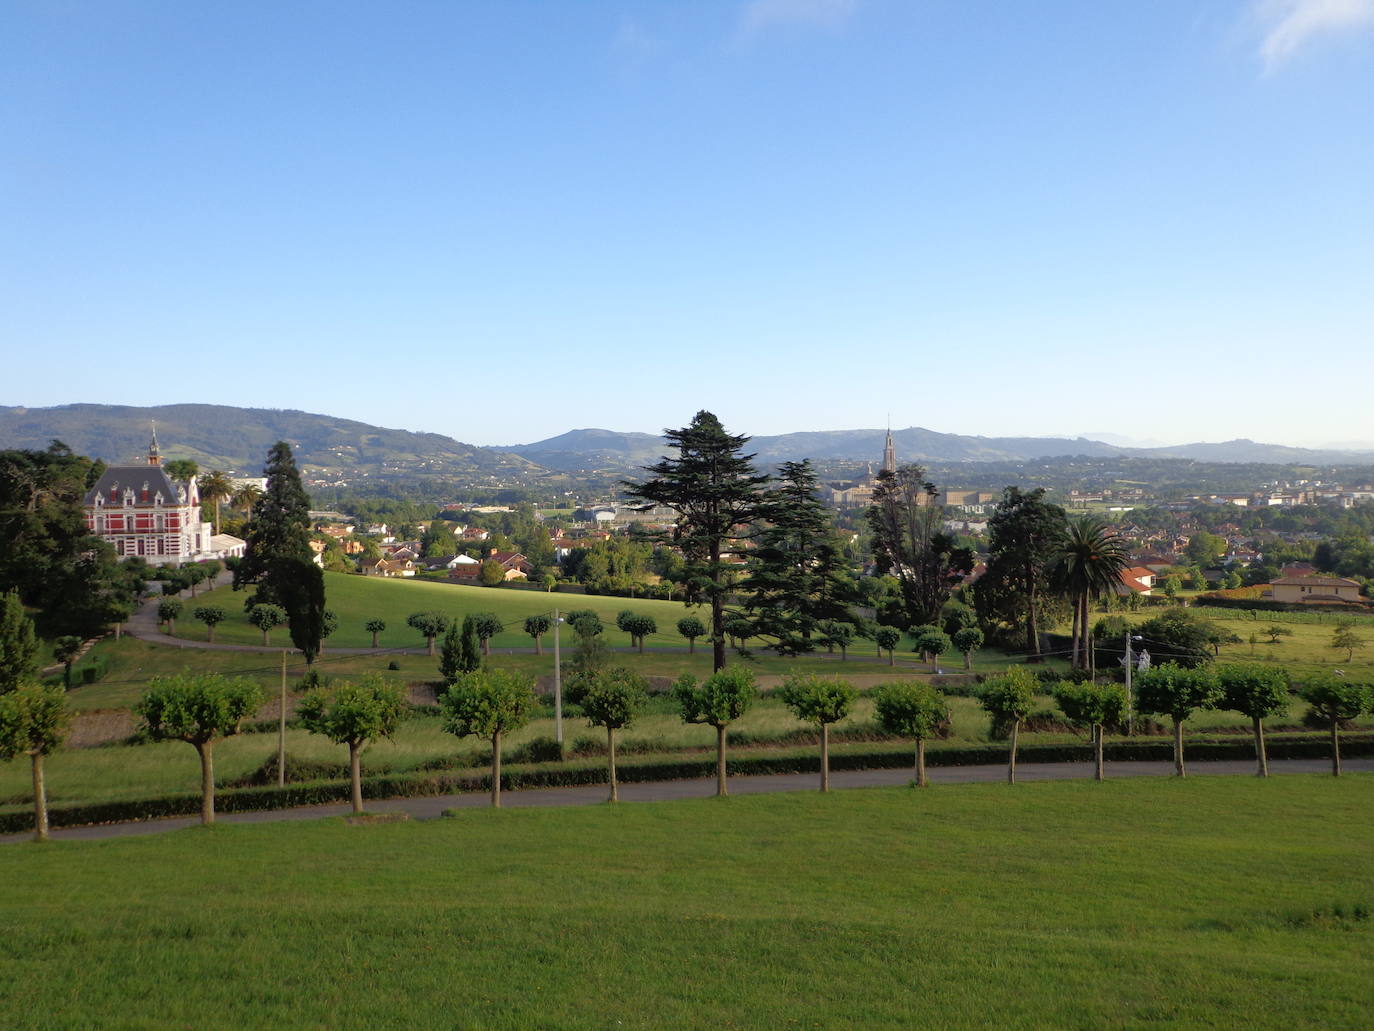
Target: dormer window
[(128, 495), (157, 498)]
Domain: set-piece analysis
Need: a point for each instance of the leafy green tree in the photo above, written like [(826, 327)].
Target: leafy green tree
[(887, 638), (430, 624), (374, 627), (798, 577), (1180, 636), (911, 710), (640, 627), (168, 612), (1335, 699), (622, 623), (194, 575), (329, 623), (18, 643), (1173, 583), (835, 634), (488, 704), (1088, 565), (211, 616), (301, 593), (584, 621), (717, 701), (1258, 692), (821, 701), (265, 617), (712, 486), (550, 581), (1177, 691), (691, 628), (1007, 699), (277, 536), (34, 722), (1205, 549), (215, 488), (1095, 706), (1273, 631), (1344, 638), (354, 715), (459, 654), (966, 642), (491, 574), (909, 541), (537, 626), (65, 650), (198, 709), (181, 470), (246, 498), (1025, 534), (487, 625), (933, 644), (611, 699)]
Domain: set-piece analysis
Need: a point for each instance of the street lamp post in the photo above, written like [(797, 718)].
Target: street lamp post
[(1130, 701), (557, 685)]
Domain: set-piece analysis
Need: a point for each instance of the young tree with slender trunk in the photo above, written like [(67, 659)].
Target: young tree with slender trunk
[(712, 486), (211, 616), (611, 699), (34, 722), (537, 626), (887, 638), (1007, 698), (487, 625), (691, 628), (489, 704), (374, 627), (265, 617), (641, 627), (820, 701), (1335, 699), (65, 650), (1095, 706), (1175, 691), (1258, 692), (932, 644), (355, 715), (431, 624), (168, 611), (911, 710), (966, 642), (198, 709), (717, 701)]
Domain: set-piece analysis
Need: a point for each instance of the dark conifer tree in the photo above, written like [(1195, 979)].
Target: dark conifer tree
[(278, 534)]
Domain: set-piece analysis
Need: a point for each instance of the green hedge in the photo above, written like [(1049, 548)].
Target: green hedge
[(413, 785)]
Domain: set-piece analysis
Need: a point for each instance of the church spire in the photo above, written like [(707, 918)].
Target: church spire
[(889, 453), (154, 452)]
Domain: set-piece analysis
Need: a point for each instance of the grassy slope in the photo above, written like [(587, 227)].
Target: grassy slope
[(1212, 903)]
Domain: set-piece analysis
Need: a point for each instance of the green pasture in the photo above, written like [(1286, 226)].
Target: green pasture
[(1209, 902)]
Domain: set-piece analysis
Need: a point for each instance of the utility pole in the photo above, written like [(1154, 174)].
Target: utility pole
[(281, 727), (557, 685), (1130, 703)]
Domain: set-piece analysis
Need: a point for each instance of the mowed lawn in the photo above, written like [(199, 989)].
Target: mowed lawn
[(1210, 902)]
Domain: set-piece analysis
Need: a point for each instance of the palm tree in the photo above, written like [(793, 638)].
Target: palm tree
[(1088, 565), (216, 487), (246, 497)]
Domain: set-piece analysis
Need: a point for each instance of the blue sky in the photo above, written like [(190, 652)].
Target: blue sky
[(503, 220)]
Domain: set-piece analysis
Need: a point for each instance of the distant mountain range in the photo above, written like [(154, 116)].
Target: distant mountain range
[(237, 439)]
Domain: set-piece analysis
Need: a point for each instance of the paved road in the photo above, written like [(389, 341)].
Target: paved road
[(664, 791)]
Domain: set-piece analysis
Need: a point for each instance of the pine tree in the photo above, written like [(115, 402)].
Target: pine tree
[(18, 644), (798, 579), (713, 487), (278, 534)]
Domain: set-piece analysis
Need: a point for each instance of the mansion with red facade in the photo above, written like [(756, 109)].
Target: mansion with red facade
[(141, 511)]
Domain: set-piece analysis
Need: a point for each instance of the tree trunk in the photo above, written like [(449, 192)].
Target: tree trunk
[(1073, 658), (641, 646), (1099, 761), (538, 644), (1261, 757), (920, 762), (825, 756), (496, 770), (374, 638), (355, 774), (610, 751), (691, 646), (486, 646), (211, 628), (1032, 622), (1335, 748), (968, 661), (264, 638), (40, 798), (171, 627), (1011, 762), (721, 789), (1179, 769), (717, 627), (207, 784), (892, 656), (429, 643)]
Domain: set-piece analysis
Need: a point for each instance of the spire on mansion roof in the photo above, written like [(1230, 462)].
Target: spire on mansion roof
[(154, 452)]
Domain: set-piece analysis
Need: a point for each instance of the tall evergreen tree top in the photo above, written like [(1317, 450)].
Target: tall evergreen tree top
[(280, 526)]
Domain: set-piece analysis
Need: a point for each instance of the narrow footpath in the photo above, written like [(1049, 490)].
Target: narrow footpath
[(666, 791)]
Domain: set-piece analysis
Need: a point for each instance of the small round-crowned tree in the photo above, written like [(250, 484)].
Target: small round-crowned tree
[(821, 701)]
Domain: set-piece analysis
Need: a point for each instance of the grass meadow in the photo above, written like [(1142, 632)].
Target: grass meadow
[(1209, 902)]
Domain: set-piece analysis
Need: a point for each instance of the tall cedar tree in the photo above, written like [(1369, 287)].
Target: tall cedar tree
[(301, 589), (910, 543), (1024, 535), (278, 534), (798, 579), (713, 487)]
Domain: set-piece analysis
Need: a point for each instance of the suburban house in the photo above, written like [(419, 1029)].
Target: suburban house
[(1315, 590), (449, 562), (387, 567), (514, 566), (1137, 580)]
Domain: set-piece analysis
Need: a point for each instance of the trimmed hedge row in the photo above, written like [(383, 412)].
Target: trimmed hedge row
[(412, 785)]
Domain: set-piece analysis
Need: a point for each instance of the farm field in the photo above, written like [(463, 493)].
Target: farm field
[(1206, 902)]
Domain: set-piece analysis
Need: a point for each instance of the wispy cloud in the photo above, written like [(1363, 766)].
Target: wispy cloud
[(1289, 25), (762, 14)]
